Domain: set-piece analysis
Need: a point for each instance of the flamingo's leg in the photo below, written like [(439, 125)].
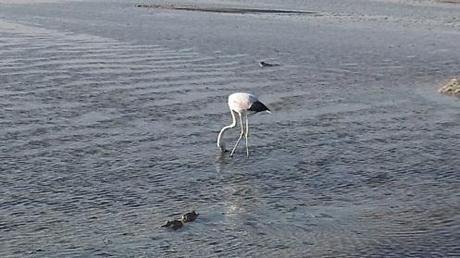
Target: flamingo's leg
[(241, 134), (246, 135)]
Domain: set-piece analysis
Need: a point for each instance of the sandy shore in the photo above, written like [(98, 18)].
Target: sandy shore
[(35, 1)]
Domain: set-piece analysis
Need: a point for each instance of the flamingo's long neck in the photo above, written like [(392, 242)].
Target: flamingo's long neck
[(220, 142)]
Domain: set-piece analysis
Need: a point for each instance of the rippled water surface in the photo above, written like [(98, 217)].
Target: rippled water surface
[(108, 130)]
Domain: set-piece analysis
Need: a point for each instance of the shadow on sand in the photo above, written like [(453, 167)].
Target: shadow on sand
[(222, 9)]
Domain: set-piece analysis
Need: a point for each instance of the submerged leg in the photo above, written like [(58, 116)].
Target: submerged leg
[(241, 134), (246, 135)]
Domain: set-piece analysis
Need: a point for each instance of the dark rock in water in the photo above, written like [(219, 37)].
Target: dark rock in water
[(174, 224), (189, 216), (265, 64)]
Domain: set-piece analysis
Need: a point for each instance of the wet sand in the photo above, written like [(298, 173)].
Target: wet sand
[(222, 9), (110, 114)]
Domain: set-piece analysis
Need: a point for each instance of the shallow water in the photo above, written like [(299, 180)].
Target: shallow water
[(107, 133)]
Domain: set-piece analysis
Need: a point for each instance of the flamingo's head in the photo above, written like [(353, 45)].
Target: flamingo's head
[(222, 147)]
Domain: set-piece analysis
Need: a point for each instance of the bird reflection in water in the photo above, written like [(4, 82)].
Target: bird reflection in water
[(239, 197)]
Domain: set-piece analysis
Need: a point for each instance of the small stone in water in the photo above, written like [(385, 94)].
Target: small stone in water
[(189, 216), (174, 224)]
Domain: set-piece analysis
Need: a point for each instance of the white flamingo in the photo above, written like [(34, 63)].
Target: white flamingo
[(241, 103)]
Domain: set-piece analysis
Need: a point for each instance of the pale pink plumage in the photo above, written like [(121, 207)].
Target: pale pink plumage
[(240, 103)]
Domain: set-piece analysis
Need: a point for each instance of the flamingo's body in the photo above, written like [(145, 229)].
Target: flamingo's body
[(241, 103)]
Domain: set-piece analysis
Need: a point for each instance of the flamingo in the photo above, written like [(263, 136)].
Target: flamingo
[(241, 103)]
